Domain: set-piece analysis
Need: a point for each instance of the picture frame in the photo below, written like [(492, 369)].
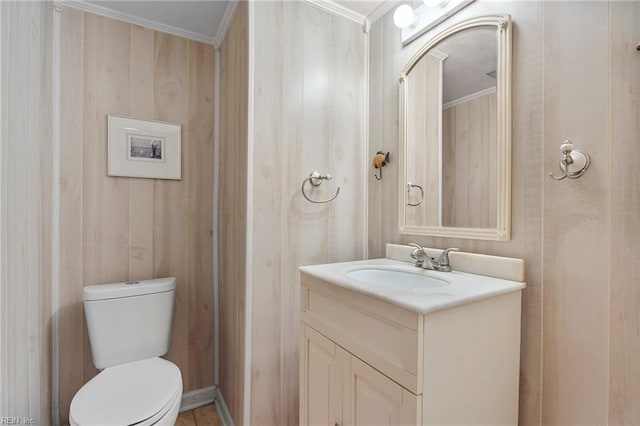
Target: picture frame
[(144, 148)]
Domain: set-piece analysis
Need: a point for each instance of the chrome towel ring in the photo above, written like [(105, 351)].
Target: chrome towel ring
[(315, 179), (409, 187)]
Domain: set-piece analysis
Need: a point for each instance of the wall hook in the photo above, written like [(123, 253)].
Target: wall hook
[(379, 161), (573, 163), (316, 179)]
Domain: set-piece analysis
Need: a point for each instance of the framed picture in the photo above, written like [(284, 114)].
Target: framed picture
[(144, 148)]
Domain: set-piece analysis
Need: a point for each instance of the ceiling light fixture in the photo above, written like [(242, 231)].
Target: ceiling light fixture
[(427, 15), (404, 16)]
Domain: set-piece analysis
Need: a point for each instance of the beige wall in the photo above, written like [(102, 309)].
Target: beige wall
[(308, 115), (117, 229), (26, 201), (232, 208), (580, 362)]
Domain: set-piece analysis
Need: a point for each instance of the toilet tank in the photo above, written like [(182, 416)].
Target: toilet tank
[(129, 321)]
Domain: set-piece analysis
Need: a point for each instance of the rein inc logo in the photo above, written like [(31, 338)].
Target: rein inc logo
[(13, 420)]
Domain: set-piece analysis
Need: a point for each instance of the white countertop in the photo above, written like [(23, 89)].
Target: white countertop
[(463, 287)]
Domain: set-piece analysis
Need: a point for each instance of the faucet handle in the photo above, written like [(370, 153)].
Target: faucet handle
[(418, 254), (443, 260), (417, 249)]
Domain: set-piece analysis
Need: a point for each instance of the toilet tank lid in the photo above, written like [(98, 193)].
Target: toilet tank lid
[(128, 289)]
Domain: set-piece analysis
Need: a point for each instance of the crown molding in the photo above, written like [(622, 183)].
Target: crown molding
[(469, 97), (339, 10), (225, 23), (381, 10), (132, 19)]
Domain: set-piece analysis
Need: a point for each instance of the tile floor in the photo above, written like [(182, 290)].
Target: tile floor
[(204, 416)]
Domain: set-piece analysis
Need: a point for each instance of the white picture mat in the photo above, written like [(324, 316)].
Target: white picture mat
[(166, 164)]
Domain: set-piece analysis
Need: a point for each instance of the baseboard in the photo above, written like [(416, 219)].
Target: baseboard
[(197, 398), (223, 411)]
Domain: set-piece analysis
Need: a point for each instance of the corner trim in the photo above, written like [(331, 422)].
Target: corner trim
[(223, 410), (382, 10), (55, 213), (85, 6), (225, 23), (216, 219), (197, 398), (339, 10)]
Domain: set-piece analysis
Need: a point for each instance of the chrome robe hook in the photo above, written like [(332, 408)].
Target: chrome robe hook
[(573, 163), (316, 179)]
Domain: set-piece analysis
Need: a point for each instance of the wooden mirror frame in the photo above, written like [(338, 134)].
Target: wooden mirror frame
[(502, 232)]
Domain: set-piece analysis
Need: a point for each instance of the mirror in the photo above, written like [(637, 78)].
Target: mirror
[(455, 133)]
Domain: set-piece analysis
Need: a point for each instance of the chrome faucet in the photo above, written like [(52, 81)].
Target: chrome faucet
[(424, 261)]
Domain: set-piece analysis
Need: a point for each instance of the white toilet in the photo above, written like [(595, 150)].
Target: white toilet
[(129, 327)]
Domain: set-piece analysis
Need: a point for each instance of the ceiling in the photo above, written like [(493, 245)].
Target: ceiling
[(363, 7), (472, 57), (203, 17), (200, 17)]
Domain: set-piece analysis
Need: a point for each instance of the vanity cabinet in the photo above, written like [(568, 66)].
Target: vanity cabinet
[(366, 361), (339, 389)]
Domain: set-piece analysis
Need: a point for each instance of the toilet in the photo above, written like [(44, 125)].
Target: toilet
[(129, 327)]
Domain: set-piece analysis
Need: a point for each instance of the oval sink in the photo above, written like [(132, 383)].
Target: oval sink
[(403, 280)]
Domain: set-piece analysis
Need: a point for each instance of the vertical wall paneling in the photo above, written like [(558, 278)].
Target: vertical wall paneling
[(576, 216), (216, 214), (55, 213), (376, 123), (388, 57), (424, 123), (44, 207), (4, 314), (232, 213), (170, 197), (70, 315), (470, 178), (200, 214), (308, 115), (26, 168), (116, 229), (141, 95), (624, 247)]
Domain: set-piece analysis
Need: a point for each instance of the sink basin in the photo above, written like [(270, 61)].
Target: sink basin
[(399, 279)]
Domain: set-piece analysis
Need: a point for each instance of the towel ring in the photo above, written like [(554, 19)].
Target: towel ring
[(315, 179), (413, 185)]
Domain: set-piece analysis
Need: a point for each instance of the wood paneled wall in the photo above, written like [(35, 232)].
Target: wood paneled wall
[(26, 171), (424, 132), (469, 164), (576, 216), (116, 229), (624, 243), (309, 114), (232, 225), (579, 237)]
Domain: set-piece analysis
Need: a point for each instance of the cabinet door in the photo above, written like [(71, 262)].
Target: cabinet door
[(372, 399), (321, 373)]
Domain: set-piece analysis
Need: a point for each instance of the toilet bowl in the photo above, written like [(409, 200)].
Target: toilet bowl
[(129, 327), (145, 392)]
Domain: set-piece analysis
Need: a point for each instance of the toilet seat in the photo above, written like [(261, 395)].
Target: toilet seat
[(140, 392)]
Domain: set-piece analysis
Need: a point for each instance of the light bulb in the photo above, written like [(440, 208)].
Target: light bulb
[(404, 17), (436, 3)]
